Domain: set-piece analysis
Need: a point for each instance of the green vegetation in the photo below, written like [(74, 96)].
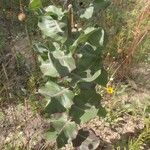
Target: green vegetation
[(72, 60), (74, 74)]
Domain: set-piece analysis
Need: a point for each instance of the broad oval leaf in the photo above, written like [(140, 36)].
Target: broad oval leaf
[(103, 78), (86, 106), (48, 69), (58, 64), (86, 139), (65, 130), (88, 65), (52, 28), (88, 12), (53, 106), (89, 114), (89, 35), (35, 4), (97, 38), (40, 48), (53, 10), (65, 59), (91, 78), (56, 92), (51, 89)]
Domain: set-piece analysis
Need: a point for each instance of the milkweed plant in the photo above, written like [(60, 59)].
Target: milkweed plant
[(71, 60)]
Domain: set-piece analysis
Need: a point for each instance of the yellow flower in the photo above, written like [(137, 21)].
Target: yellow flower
[(110, 90)]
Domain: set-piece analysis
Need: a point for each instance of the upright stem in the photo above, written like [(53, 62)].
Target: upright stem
[(69, 20)]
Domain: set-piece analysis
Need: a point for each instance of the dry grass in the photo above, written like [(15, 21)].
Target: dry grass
[(127, 24)]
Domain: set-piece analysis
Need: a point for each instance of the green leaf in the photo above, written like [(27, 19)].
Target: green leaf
[(90, 77), (89, 58), (86, 86), (65, 59), (86, 106), (51, 89), (47, 67), (61, 140), (103, 78), (102, 112), (66, 99), (35, 4), (88, 65), (52, 28), (85, 139), (86, 77), (89, 30), (89, 114), (83, 38), (88, 12), (81, 137), (53, 10), (41, 48), (58, 64), (53, 106), (59, 121), (65, 129), (95, 36), (61, 94), (83, 115)]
